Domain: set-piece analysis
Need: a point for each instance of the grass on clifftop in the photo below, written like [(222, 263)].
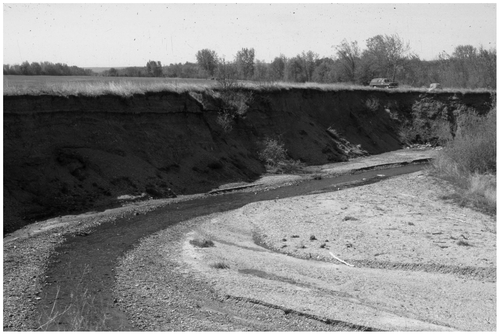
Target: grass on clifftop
[(469, 161), (92, 89), (96, 86)]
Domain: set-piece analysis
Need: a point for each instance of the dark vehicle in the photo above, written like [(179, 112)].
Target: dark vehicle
[(383, 83)]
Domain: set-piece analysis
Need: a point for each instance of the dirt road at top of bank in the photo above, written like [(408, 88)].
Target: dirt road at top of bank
[(414, 261)]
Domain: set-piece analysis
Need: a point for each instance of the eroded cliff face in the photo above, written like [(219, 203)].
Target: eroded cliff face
[(70, 154)]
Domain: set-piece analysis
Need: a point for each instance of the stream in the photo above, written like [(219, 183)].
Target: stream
[(84, 265)]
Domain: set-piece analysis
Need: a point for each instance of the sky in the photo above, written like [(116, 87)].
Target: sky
[(131, 34)]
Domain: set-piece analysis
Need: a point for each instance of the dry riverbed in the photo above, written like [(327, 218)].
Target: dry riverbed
[(419, 262)]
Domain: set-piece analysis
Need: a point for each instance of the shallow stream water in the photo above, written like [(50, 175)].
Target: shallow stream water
[(84, 265)]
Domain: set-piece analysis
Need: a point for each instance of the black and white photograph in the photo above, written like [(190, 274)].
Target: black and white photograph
[(249, 166)]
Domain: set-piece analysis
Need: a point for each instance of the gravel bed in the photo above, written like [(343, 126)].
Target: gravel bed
[(27, 251), (160, 294), (26, 255)]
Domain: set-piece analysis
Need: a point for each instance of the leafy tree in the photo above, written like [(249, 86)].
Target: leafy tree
[(309, 60), (36, 69), (261, 71), (179, 70), (277, 68), (464, 58), (487, 67), (112, 72), (207, 61), (25, 68), (348, 54), (386, 55), (245, 62), (16, 69), (468, 67), (417, 73), (45, 68), (59, 69), (154, 69), (325, 72), (131, 72), (173, 70), (189, 70), (295, 71)]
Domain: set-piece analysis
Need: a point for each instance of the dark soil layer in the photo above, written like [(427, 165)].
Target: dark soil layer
[(69, 154)]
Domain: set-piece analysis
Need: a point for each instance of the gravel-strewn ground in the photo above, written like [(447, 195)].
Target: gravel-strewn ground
[(397, 221), (27, 251), (160, 293), (196, 295), (420, 263), (23, 267)]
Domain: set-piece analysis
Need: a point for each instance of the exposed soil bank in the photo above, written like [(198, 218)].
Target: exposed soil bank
[(65, 154)]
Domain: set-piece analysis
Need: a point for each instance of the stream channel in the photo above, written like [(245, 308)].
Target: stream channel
[(84, 264)]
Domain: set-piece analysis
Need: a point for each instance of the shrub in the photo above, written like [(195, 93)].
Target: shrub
[(442, 132), (225, 120), (289, 166), (227, 75), (274, 152), (233, 102), (373, 104), (469, 161), (435, 132), (203, 243), (464, 243), (474, 147), (274, 155), (485, 187), (220, 265)]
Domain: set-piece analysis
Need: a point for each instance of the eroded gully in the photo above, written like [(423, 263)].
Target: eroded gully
[(84, 265)]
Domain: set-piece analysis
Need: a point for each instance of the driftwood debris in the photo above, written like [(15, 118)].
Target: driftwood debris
[(341, 261)]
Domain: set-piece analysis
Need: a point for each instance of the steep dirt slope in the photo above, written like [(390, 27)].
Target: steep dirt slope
[(64, 154)]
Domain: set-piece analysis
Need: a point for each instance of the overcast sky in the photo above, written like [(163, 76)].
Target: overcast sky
[(128, 34)]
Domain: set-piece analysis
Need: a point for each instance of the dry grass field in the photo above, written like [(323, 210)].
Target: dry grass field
[(89, 85), (127, 86)]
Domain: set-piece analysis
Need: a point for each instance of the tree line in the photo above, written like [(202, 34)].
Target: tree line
[(46, 69), (152, 69), (386, 56)]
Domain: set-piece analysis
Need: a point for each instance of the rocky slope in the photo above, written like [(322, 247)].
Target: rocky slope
[(68, 154)]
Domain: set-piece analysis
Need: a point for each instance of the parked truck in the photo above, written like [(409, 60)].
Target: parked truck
[(383, 83)]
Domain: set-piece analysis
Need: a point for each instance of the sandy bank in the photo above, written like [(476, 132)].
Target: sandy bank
[(420, 263)]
